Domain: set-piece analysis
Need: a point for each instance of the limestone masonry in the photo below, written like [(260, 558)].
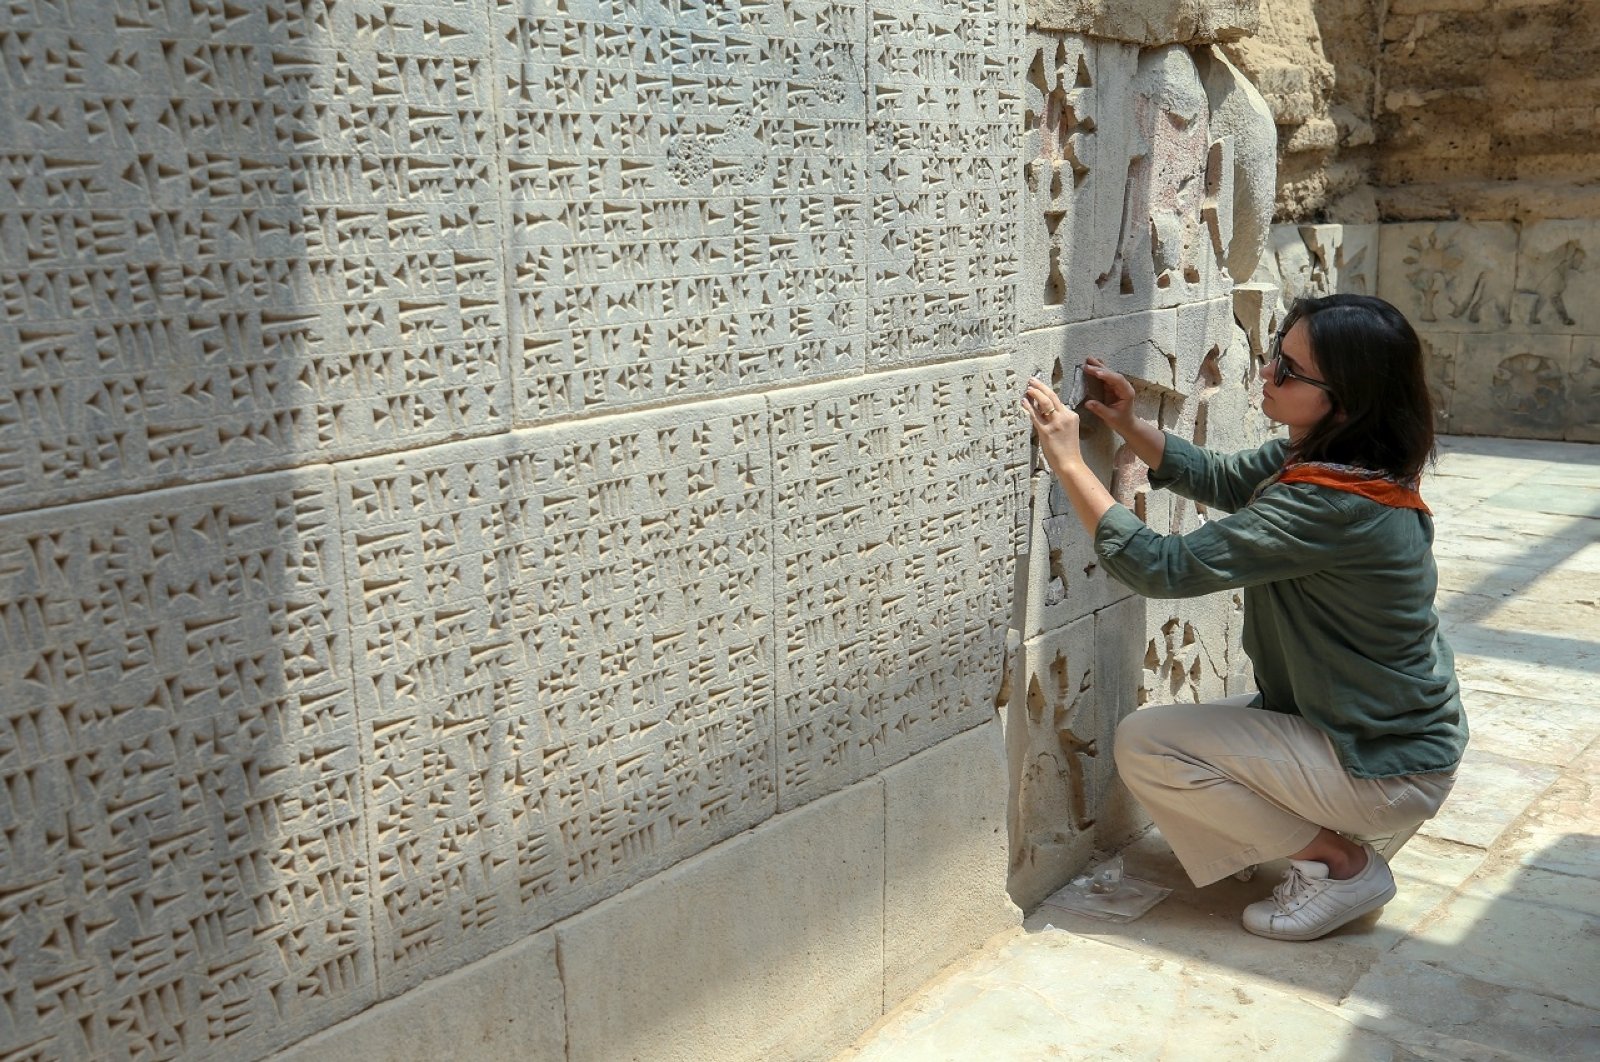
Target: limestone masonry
[(517, 538)]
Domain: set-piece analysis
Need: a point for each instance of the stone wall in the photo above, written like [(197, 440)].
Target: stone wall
[(1487, 111), (1439, 153), (1506, 313), (518, 539)]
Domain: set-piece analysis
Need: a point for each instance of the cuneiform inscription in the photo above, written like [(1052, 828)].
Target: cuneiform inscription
[(943, 112), (182, 868), (688, 200), (563, 651), (234, 237), (896, 502)]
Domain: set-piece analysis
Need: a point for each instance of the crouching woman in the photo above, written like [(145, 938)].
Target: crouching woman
[(1358, 727)]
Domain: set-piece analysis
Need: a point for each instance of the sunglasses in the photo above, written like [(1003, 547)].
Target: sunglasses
[(1278, 366)]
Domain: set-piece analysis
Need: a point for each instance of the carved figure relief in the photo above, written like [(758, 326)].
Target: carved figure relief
[(1545, 282), (1448, 283), (1163, 234), (1530, 387)]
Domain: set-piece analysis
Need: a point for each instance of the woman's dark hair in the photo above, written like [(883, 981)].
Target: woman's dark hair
[(1382, 416)]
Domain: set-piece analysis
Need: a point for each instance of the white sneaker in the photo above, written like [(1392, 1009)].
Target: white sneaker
[(1309, 904)]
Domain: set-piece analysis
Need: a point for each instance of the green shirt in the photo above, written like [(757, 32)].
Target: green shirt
[(1339, 618)]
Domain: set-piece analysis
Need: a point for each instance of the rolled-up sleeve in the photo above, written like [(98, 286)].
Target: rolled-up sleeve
[(1290, 531), (1219, 481)]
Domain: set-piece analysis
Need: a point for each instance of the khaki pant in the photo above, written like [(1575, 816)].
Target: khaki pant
[(1231, 786)]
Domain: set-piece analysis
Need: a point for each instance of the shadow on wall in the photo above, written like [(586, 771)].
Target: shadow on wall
[(236, 242)]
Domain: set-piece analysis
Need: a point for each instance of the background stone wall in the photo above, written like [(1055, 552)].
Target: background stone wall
[(1439, 153), (519, 510)]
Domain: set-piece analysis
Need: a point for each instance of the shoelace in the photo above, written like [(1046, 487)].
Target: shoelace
[(1292, 884)]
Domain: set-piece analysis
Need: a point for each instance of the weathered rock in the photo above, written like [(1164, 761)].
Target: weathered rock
[(1239, 111), (1149, 22)]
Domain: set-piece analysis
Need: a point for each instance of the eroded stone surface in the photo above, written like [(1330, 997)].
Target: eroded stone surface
[(1149, 22), (1059, 748), (1239, 113)]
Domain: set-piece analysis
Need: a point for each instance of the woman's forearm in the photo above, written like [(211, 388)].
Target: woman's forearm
[(1088, 495), (1148, 442)]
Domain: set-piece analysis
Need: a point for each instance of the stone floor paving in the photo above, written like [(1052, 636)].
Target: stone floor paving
[(1490, 950)]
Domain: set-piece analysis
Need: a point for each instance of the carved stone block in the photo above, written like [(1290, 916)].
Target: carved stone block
[(1062, 152), (1557, 288), (234, 239), (1314, 260), (564, 644), (1513, 385), (1059, 753), (181, 826), (1449, 276), (943, 110), (1162, 180), (896, 502), (688, 201), (1583, 391), (1186, 649), (1240, 115)]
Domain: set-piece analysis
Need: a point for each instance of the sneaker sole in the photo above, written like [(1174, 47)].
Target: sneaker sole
[(1350, 916)]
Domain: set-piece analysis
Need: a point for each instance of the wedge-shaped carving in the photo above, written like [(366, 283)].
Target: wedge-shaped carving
[(898, 501), (182, 867), (233, 240), (942, 119), (1061, 154), (688, 201), (563, 649)]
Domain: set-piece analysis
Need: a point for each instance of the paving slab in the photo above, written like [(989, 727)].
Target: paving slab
[(1491, 948)]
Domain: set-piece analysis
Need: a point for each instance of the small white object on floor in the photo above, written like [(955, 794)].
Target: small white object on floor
[(1108, 894)]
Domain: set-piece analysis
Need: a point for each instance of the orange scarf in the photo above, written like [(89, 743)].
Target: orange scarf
[(1382, 489)]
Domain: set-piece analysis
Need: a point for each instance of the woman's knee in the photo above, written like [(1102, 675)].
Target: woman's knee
[(1139, 740)]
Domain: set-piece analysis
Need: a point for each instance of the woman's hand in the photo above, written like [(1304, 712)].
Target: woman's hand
[(1055, 424), (1117, 409), (1057, 428)]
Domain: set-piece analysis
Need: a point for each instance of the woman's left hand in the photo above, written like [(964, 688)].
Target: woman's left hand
[(1055, 424)]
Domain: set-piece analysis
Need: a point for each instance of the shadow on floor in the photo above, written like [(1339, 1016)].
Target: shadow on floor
[(1481, 955)]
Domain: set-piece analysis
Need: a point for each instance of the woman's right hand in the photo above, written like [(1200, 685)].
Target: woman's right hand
[(1117, 409)]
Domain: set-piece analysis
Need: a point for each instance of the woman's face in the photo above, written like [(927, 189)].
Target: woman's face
[(1297, 405)]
